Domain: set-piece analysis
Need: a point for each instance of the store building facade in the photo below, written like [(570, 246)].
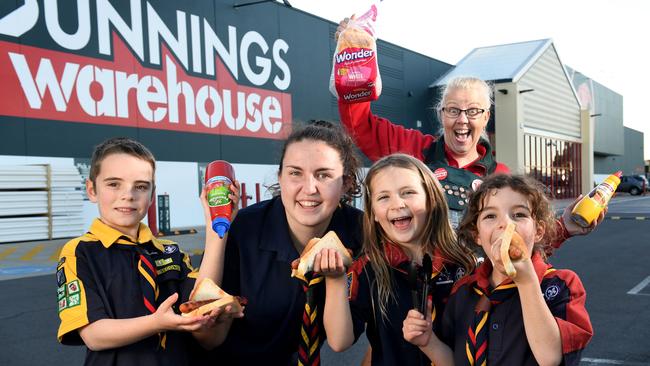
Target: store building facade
[(197, 81), (194, 81), (616, 147)]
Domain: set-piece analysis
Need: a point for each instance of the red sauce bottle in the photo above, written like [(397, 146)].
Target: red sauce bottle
[(219, 175)]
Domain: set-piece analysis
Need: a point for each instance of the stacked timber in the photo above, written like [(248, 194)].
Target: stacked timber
[(40, 202)]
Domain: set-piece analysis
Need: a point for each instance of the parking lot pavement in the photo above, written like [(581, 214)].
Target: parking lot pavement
[(612, 264), (35, 258)]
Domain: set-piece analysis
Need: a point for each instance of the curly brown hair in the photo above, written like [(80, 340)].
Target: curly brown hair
[(540, 207)]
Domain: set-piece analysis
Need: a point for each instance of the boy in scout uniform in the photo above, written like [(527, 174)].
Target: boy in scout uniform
[(119, 287)]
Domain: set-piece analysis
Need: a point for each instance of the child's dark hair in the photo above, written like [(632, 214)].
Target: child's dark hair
[(540, 208), (337, 139), (118, 145)]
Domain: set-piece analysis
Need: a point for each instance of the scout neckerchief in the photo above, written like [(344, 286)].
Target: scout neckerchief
[(399, 261), (142, 261), (476, 345), (147, 275), (310, 333), (477, 334)]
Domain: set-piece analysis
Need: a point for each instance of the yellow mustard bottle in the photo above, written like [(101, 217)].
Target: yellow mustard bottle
[(591, 205)]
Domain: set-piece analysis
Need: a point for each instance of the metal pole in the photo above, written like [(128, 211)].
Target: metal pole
[(244, 197)]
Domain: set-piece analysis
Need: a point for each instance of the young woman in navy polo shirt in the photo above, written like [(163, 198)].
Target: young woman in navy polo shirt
[(406, 218), (536, 317), (316, 177)]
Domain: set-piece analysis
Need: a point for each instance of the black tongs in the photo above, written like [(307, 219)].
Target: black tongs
[(420, 295), (427, 269)]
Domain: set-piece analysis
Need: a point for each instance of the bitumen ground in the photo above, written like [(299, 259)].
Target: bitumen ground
[(612, 264)]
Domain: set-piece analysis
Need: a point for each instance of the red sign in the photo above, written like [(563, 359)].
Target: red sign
[(45, 84)]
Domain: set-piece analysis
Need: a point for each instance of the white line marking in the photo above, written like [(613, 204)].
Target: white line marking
[(611, 203), (601, 360), (639, 287), (612, 362)]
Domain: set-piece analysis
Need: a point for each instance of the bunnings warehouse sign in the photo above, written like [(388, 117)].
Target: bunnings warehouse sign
[(126, 66)]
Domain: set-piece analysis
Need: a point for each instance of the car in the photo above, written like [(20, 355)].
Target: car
[(632, 184)]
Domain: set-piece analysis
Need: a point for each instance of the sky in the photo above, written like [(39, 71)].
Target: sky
[(606, 40)]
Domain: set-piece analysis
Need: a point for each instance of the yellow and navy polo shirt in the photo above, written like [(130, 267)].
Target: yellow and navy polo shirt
[(97, 278)]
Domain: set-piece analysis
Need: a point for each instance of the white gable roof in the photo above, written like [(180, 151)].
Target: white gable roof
[(501, 63)]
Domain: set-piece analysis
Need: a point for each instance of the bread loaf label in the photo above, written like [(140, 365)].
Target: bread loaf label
[(350, 54), (355, 72), (349, 97)]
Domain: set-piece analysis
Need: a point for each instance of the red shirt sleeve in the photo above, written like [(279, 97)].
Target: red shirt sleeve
[(563, 235), (501, 169), (575, 326), (378, 137)]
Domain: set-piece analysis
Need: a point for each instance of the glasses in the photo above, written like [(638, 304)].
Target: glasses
[(471, 113)]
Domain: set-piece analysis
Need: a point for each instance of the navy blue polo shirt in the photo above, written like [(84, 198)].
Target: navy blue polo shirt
[(385, 334), (257, 266), (97, 278)]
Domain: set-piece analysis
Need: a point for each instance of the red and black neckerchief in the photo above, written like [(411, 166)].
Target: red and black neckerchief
[(477, 333), (311, 339), (150, 291)]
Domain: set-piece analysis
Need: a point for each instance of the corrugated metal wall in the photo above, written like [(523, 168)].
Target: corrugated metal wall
[(607, 107), (552, 106), (631, 162)]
